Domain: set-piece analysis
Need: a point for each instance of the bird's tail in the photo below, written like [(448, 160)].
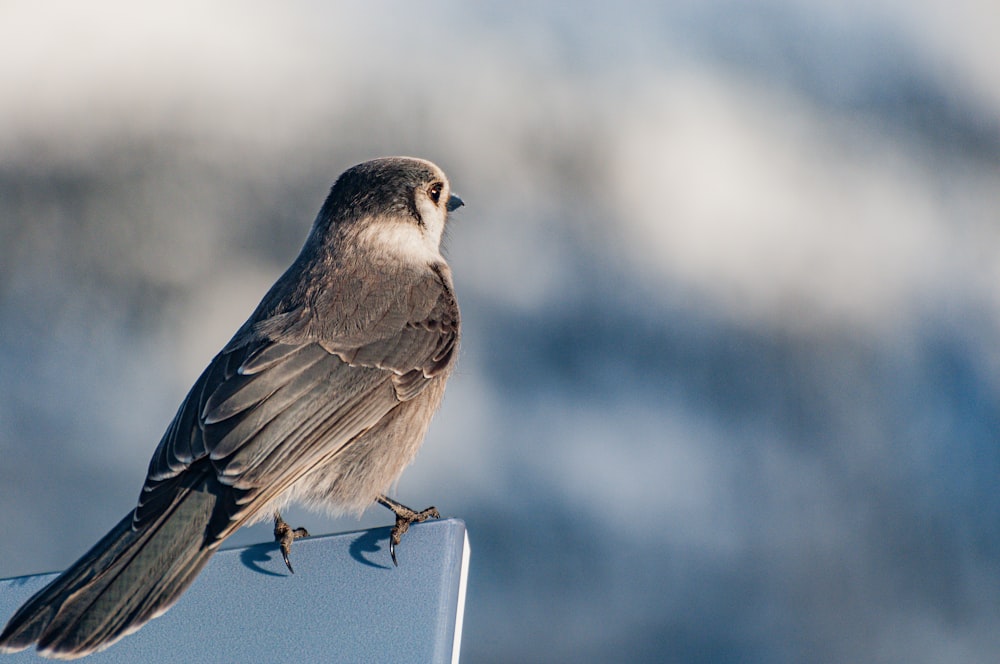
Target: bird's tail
[(126, 579)]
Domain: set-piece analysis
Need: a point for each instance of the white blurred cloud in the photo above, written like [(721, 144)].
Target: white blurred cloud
[(252, 71), (785, 215)]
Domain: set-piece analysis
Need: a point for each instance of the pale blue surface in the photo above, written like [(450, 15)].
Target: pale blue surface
[(345, 603)]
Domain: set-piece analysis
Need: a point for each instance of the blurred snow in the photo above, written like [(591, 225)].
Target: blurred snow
[(729, 383)]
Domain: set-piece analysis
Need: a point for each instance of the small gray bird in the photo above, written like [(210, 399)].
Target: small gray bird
[(323, 396)]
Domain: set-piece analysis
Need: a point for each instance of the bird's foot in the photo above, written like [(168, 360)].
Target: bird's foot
[(404, 517), (284, 535)]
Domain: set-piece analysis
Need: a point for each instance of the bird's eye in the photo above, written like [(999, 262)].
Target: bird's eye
[(435, 191)]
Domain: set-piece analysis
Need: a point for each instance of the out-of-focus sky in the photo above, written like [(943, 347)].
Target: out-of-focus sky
[(730, 277)]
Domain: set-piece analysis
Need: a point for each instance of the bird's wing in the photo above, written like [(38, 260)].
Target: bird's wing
[(265, 412), (419, 349)]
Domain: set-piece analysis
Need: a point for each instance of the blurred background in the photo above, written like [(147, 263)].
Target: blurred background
[(728, 389)]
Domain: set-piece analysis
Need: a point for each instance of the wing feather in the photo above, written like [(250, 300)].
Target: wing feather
[(244, 390)]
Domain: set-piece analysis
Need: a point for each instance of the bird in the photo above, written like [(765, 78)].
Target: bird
[(322, 397)]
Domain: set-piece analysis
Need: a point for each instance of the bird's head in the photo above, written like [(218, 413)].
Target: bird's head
[(394, 206)]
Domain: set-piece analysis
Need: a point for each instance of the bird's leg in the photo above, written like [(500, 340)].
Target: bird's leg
[(404, 517), (284, 535)]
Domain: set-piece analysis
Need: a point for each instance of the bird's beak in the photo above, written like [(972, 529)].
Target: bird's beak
[(454, 202)]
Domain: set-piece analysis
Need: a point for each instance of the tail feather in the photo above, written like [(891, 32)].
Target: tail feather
[(125, 580)]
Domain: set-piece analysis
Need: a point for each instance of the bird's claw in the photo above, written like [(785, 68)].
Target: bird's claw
[(284, 535), (404, 517), (284, 554)]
